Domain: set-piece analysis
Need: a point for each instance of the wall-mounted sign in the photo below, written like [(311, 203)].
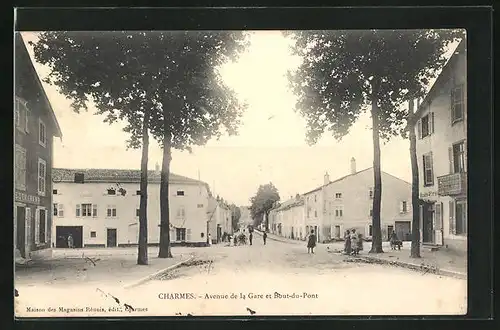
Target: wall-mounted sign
[(428, 194), (27, 198)]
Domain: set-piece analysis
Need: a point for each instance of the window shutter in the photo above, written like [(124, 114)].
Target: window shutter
[(37, 226), (431, 167), (94, 210), (438, 216), (465, 155), (61, 210), (188, 234), (419, 129), (450, 159), (401, 209), (452, 218), (431, 122), (27, 233), (78, 210)]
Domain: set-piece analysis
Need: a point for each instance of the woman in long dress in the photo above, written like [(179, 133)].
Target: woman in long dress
[(311, 243), (347, 238)]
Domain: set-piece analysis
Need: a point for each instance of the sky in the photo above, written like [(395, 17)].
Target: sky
[(270, 146)]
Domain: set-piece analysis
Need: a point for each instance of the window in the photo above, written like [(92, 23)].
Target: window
[(60, 211), (54, 191), (428, 171), (86, 210), (138, 192), (93, 234), (137, 212), (111, 191), (42, 174), (370, 193), (461, 217), (41, 226), (339, 211), (457, 103), (17, 113), (180, 234), (42, 133), (426, 125), (27, 120), (370, 230), (404, 207), (20, 167), (371, 212), (200, 206), (181, 212), (111, 211), (458, 157), (55, 209), (180, 192), (338, 195), (79, 178)]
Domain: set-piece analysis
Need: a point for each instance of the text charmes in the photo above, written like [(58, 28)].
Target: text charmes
[(176, 295)]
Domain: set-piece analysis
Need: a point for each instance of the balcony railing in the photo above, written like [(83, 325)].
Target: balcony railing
[(452, 184)]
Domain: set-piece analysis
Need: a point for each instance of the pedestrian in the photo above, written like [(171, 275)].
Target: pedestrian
[(70, 241), (311, 243), (354, 242), (360, 243), (347, 246), (250, 237), (264, 237)]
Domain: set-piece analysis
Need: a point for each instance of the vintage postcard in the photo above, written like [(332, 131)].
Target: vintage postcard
[(240, 173)]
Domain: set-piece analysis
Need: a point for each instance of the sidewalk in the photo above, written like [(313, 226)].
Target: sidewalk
[(116, 270), (277, 238)]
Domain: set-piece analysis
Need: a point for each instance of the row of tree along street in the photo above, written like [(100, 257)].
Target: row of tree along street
[(168, 85)]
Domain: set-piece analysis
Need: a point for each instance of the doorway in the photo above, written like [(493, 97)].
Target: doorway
[(428, 223), (403, 229), (337, 232), (21, 228), (461, 216), (111, 237), (219, 233), (390, 229), (62, 233)]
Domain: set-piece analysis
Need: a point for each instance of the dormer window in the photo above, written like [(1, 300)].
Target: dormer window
[(79, 178), (111, 191), (180, 192)]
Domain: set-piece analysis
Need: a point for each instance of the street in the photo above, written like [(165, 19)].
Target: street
[(276, 279)]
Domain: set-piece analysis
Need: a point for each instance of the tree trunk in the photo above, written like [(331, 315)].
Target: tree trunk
[(415, 201), (142, 256), (267, 221), (377, 190), (164, 197)]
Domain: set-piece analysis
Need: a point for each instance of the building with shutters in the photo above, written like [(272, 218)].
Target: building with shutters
[(440, 123), (100, 208), (35, 127), (219, 219), (345, 203)]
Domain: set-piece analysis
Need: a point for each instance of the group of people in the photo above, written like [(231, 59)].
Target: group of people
[(353, 242)]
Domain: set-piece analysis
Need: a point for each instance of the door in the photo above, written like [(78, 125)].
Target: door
[(428, 225), (403, 229), (390, 229), (21, 227), (111, 237), (461, 217), (219, 233), (337, 231)]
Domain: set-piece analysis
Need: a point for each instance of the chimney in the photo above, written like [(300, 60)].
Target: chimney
[(157, 167), (326, 179), (353, 165)]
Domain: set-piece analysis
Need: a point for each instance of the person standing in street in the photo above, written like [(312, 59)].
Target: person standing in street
[(70, 241), (250, 237), (311, 242), (264, 237), (347, 238), (354, 242)]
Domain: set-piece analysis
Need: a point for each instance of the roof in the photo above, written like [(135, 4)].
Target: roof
[(22, 47), (289, 204), (441, 79), (96, 175), (350, 175)]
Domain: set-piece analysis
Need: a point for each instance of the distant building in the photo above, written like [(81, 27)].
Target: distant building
[(289, 218), (100, 208), (35, 127), (219, 219), (440, 123), (345, 203)]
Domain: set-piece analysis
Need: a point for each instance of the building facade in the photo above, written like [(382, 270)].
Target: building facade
[(220, 215), (35, 126), (289, 218), (100, 208), (440, 124)]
